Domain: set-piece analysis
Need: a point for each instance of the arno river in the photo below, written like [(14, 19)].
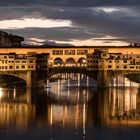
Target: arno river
[(71, 107)]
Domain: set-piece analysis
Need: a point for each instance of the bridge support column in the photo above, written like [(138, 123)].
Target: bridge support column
[(28, 94), (102, 79), (29, 79)]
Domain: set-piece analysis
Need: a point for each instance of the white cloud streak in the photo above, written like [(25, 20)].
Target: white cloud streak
[(40, 23)]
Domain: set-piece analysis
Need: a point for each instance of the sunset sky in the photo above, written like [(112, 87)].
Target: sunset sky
[(76, 22)]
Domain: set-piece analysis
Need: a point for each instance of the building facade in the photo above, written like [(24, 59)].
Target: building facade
[(101, 59), (21, 62), (8, 40)]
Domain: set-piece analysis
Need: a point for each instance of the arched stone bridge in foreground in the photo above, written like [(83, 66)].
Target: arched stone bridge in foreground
[(30, 77), (102, 77)]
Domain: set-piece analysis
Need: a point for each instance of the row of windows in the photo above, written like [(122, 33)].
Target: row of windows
[(69, 52), (109, 66), (93, 67), (5, 56), (17, 67), (17, 61), (96, 61), (92, 56)]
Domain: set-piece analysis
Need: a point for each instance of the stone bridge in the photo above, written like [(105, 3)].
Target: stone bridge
[(81, 70), (103, 77), (30, 77)]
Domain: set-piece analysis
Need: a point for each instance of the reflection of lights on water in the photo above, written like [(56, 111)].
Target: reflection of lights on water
[(84, 120), (51, 116), (78, 84), (77, 116), (1, 94), (58, 88), (68, 89), (14, 92)]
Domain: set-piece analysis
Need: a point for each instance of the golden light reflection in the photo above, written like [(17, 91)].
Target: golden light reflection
[(51, 115), (14, 93), (1, 94), (84, 120)]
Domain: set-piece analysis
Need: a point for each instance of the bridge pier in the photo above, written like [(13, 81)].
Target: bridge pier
[(29, 79), (32, 78), (102, 79)]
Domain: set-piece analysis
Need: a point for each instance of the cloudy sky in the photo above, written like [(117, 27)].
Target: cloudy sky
[(76, 22)]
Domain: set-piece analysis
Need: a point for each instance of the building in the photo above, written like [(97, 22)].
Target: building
[(9, 40), (101, 59), (20, 62)]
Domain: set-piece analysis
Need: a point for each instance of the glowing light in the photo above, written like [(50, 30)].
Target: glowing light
[(26, 22), (51, 116), (1, 94), (84, 61)]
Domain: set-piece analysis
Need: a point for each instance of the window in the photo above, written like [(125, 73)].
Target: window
[(109, 66), (17, 67), (57, 52), (125, 67), (23, 61), (5, 67), (131, 67), (30, 61), (10, 67), (117, 67), (11, 56), (17, 61), (69, 52), (81, 52), (125, 61), (23, 66)]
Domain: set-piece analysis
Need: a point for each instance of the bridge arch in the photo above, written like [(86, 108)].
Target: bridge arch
[(70, 62), (11, 79), (27, 76), (58, 61), (81, 61)]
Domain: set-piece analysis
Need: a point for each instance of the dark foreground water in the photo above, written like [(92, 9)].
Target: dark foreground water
[(71, 108)]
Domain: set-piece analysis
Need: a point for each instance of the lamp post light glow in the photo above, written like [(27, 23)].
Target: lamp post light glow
[(84, 61)]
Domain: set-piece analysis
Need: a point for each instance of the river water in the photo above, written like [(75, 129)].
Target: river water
[(71, 107)]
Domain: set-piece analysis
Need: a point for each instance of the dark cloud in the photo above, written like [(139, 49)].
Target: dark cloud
[(73, 3), (90, 18), (59, 34)]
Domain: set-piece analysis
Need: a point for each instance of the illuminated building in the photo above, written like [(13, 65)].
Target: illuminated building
[(101, 59)]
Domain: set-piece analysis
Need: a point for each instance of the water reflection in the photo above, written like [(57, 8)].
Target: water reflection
[(66, 111), (15, 112)]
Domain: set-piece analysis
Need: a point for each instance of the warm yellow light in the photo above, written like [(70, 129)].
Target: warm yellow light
[(1, 93)]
